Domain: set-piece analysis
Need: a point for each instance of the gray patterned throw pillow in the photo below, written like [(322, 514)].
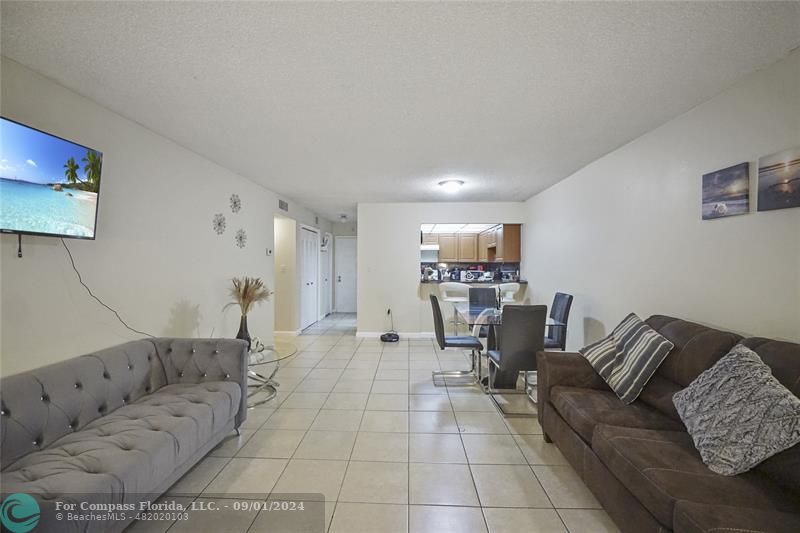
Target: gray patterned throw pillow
[(738, 414)]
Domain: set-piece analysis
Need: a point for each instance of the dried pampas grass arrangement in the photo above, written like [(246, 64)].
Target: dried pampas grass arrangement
[(246, 292)]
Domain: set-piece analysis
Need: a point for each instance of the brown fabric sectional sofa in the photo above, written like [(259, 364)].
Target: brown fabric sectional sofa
[(638, 459)]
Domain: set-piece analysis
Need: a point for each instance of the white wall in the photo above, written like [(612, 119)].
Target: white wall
[(287, 309), (156, 259), (345, 229), (625, 233), (388, 257)]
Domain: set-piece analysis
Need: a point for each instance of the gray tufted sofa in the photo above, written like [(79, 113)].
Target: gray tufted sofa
[(120, 425)]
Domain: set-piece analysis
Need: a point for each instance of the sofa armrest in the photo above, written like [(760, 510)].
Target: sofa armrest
[(201, 360), (563, 368), (691, 517)]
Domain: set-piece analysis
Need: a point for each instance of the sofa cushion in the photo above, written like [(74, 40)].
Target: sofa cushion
[(691, 517), (738, 414), (132, 450), (784, 360), (782, 357), (696, 348), (584, 409), (662, 467)]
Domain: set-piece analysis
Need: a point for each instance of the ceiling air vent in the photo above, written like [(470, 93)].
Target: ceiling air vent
[(283, 205)]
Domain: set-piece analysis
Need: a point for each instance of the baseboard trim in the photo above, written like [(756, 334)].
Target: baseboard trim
[(292, 333), (406, 334)]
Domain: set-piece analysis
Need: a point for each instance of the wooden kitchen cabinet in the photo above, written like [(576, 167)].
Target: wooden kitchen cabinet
[(448, 248), (508, 246), (483, 247), (502, 244), (430, 238), (499, 246), (467, 247), (491, 237)]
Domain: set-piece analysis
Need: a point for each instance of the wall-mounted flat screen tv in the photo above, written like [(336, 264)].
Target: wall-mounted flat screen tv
[(48, 185)]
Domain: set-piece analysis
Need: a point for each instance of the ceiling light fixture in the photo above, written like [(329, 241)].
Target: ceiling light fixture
[(451, 186)]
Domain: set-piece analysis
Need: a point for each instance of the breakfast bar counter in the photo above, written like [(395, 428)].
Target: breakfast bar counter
[(480, 282), (426, 288)]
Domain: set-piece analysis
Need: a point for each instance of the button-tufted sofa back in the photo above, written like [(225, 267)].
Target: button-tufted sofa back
[(200, 360), (40, 406)]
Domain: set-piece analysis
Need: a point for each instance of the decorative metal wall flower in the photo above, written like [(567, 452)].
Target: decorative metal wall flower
[(219, 223), (236, 203), (241, 238)]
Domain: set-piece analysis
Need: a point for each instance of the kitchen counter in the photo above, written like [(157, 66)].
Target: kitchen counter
[(479, 282)]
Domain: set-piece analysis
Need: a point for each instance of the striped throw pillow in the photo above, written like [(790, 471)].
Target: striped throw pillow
[(601, 355), (628, 357)]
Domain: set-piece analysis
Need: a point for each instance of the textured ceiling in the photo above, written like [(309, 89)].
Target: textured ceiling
[(337, 103)]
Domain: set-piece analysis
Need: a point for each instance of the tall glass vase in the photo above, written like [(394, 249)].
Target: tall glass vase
[(243, 333)]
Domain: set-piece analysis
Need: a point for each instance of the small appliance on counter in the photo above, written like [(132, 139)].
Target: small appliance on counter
[(487, 276), (455, 274)]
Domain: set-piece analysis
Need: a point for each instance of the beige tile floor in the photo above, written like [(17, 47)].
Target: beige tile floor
[(360, 426)]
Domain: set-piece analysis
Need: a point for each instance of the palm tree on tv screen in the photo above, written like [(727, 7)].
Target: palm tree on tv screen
[(71, 170), (93, 165)]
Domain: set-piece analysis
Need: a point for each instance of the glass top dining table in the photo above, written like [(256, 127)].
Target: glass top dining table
[(473, 315)]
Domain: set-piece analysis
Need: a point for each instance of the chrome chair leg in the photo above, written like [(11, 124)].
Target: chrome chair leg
[(456, 374), (491, 392)]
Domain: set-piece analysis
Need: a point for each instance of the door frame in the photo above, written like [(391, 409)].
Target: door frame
[(336, 274), (316, 231)]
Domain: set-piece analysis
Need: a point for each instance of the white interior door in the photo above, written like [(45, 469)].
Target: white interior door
[(325, 277), (345, 261), (309, 276)]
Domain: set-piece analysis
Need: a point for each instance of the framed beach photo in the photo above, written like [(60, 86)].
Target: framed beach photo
[(779, 180), (726, 192)]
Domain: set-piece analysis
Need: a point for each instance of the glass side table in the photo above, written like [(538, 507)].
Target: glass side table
[(261, 384), (262, 366)]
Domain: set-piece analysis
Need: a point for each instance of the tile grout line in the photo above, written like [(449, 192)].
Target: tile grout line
[(278, 478), (466, 458), (347, 466)]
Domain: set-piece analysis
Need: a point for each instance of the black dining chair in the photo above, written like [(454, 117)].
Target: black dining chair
[(520, 338), (556, 338), (461, 342), (483, 297)]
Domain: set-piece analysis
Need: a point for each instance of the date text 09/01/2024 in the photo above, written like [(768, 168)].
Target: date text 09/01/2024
[(248, 505)]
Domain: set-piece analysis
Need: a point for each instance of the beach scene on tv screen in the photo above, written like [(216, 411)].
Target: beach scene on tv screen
[(47, 184)]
